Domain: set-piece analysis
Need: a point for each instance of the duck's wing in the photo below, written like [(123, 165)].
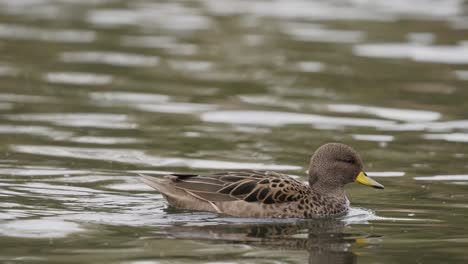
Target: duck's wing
[(250, 186)]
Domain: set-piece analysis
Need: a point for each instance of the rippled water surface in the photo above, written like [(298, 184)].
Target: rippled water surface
[(94, 92)]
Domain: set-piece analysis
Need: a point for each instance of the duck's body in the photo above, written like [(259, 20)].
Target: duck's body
[(267, 194), (256, 194)]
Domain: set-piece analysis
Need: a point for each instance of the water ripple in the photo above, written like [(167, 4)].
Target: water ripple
[(443, 178), (284, 118), (79, 78), (110, 58), (33, 33), (167, 43), (39, 171), (105, 140), (453, 137), (310, 66), (139, 157), (191, 66), (40, 228), (5, 106), (35, 130), (380, 10), (386, 173), (23, 98), (156, 103), (431, 126), (128, 97), (316, 33), (390, 113), (176, 108), (114, 121), (160, 85), (377, 138), (7, 70), (171, 16), (60, 191), (416, 52), (462, 75), (316, 10)]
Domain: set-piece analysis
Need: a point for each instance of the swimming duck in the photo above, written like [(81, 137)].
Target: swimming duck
[(268, 194)]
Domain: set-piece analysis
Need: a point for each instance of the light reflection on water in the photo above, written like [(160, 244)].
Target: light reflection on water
[(416, 52), (8, 31), (79, 78), (139, 157), (95, 92), (111, 58)]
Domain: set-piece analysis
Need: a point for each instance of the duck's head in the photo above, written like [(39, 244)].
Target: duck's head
[(334, 165)]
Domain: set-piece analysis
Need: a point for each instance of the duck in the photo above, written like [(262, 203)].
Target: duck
[(269, 194)]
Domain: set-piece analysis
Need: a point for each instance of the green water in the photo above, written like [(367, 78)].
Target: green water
[(94, 92)]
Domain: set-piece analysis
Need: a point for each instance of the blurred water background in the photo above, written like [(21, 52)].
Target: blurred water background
[(93, 92)]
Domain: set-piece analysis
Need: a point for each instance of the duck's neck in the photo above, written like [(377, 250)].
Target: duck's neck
[(333, 198), (325, 189)]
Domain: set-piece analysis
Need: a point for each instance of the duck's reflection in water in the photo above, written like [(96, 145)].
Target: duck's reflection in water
[(324, 240)]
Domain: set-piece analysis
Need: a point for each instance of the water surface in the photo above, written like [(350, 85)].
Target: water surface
[(95, 92)]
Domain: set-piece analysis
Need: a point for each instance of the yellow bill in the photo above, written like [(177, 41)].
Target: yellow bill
[(362, 178)]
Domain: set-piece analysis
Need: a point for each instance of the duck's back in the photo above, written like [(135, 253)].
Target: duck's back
[(242, 194)]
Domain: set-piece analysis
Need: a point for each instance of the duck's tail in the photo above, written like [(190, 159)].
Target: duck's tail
[(179, 198), (162, 186), (156, 183)]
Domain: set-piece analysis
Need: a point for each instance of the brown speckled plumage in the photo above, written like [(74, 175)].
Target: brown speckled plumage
[(268, 194)]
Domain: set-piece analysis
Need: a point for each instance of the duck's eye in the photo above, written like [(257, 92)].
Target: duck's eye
[(348, 160)]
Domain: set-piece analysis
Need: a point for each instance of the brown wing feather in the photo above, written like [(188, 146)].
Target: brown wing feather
[(250, 186)]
